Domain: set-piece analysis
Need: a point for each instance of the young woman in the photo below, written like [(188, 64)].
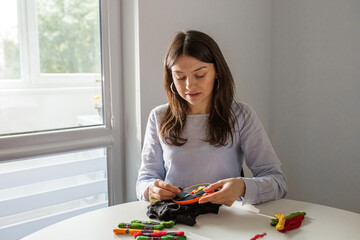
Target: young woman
[(202, 135)]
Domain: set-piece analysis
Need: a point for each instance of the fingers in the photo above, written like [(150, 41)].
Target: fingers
[(167, 186), (161, 190), (213, 198), (218, 198), (159, 194), (213, 187), (230, 190)]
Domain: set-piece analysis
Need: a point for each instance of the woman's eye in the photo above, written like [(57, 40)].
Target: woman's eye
[(180, 78), (200, 76)]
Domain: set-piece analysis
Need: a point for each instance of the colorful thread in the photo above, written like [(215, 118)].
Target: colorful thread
[(168, 224), (292, 221), (141, 226), (146, 222), (258, 236), (128, 231), (167, 237), (274, 221), (281, 223), (185, 197), (160, 234), (196, 190)]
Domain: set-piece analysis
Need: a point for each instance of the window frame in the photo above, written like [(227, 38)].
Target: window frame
[(23, 49), (109, 135)]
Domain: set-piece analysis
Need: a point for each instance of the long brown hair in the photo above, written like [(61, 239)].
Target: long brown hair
[(221, 118)]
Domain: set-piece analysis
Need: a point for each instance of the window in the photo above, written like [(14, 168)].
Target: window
[(50, 65), (68, 36), (60, 136), (46, 43)]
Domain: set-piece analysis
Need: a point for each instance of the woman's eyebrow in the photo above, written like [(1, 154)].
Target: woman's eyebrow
[(177, 71), (199, 68)]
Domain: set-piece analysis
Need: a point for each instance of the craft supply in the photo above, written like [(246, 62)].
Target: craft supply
[(140, 226), (168, 224), (258, 236), (281, 223), (191, 194), (128, 231), (292, 221), (196, 190), (295, 214), (159, 234), (274, 221), (146, 222), (167, 237)]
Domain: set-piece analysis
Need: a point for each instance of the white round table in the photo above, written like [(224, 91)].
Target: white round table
[(235, 222)]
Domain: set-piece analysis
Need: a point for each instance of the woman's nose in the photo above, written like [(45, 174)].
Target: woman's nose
[(190, 82)]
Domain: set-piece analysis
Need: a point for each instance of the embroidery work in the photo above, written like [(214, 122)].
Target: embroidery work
[(191, 194)]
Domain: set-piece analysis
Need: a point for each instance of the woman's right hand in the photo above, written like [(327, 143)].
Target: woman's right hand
[(161, 190)]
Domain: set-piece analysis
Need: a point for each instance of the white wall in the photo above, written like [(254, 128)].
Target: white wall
[(315, 99)]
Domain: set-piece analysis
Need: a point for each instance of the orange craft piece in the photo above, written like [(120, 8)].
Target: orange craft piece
[(191, 194)]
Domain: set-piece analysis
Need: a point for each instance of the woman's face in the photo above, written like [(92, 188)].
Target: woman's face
[(194, 81)]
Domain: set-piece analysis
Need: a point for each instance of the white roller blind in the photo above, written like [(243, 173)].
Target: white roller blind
[(37, 192)]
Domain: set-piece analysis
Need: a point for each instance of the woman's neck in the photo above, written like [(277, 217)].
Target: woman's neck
[(192, 110)]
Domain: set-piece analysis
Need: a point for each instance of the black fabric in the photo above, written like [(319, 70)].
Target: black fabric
[(186, 214)]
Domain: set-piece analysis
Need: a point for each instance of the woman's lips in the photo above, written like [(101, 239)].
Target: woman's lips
[(193, 95)]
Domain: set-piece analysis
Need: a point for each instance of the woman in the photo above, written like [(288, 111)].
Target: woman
[(202, 135)]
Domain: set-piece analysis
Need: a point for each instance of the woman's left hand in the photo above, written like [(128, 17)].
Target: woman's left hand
[(230, 190)]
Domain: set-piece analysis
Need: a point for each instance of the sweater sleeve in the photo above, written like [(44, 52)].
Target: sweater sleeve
[(268, 181), (152, 163)]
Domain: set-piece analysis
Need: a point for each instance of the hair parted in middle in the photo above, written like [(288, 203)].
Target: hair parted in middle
[(221, 118)]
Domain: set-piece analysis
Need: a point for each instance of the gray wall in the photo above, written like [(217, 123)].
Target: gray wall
[(295, 62), (315, 99)]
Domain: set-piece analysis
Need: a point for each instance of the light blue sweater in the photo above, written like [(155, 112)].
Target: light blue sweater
[(199, 162)]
